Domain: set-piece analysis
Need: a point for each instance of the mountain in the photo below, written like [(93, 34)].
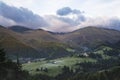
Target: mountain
[(31, 44), (91, 36), (40, 35), (46, 44), (37, 34), (19, 29)]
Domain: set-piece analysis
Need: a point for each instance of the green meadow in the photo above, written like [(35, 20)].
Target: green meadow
[(54, 66)]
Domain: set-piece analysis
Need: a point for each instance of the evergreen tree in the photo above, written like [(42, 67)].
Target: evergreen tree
[(2, 55), (10, 70), (19, 66)]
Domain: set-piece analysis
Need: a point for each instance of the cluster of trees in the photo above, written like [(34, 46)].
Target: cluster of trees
[(42, 69), (106, 74), (66, 73), (112, 74), (99, 65), (113, 52), (11, 70)]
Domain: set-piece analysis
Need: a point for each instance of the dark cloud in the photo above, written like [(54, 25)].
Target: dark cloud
[(77, 16), (64, 11), (21, 16), (67, 10)]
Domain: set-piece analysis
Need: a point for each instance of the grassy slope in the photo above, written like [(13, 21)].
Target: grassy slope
[(38, 43), (49, 46), (91, 36), (13, 45)]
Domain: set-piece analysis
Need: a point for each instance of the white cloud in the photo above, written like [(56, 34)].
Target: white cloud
[(5, 22), (56, 24)]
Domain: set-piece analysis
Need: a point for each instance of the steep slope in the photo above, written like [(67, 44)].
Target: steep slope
[(40, 35), (34, 43), (13, 46), (32, 37), (46, 43), (91, 36)]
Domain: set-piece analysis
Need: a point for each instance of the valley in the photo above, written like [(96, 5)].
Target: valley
[(59, 39), (59, 56)]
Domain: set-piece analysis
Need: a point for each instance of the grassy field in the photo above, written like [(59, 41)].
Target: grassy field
[(54, 66)]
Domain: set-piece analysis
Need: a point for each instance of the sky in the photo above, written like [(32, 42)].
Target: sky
[(60, 15)]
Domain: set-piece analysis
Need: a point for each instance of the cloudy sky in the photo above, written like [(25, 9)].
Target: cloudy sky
[(60, 15)]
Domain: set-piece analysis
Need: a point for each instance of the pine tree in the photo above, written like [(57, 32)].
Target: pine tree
[(18, 63), (2, 55)]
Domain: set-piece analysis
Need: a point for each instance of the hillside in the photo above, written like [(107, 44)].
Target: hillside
[(13, 46), (91, 36), (31, 44), (47, 44)]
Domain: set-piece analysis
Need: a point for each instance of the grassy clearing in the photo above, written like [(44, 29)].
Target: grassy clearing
[(54, 66)]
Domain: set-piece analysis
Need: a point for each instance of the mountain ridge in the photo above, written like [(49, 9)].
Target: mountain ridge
[(19, 29), (88, 37)]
